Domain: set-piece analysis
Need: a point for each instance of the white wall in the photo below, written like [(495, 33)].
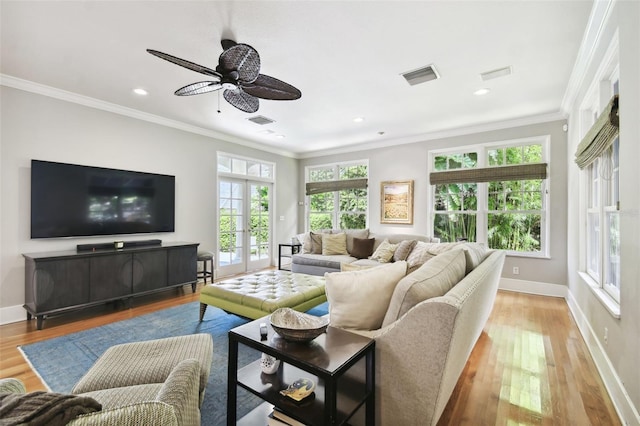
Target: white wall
[(617, 358), (44, 128), (410, 161)]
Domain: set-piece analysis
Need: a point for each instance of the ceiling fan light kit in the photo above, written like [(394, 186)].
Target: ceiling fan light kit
[(238, 73)]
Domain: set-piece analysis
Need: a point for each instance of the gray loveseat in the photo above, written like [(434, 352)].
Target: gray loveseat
[(317, 264)]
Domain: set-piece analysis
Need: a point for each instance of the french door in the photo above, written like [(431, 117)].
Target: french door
[(244, 225)]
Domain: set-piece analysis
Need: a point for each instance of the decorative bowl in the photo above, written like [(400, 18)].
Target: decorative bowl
[(297, 326)]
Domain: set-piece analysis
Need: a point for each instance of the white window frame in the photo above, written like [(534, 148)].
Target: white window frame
[(482, 213), (336, 195), (597, 97), (596, 190)]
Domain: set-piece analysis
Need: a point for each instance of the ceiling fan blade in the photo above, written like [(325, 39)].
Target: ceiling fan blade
[(228, 44), (241, 100), (186, 64), (199, 88), (266, 87), (241, 58)]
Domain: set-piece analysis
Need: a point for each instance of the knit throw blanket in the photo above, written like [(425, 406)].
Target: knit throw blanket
[(43, 408)]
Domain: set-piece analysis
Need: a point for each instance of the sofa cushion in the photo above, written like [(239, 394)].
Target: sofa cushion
[(333, 244), (359, 299), (435, 278), (384, 252), (474, 253), (345, 267), (403, 250), (362, 248)]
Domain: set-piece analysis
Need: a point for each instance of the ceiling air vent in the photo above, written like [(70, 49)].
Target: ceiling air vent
[(261, 120), (501, 72), (421, 75)]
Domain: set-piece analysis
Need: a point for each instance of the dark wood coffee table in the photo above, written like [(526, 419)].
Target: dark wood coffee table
[(341, 363)]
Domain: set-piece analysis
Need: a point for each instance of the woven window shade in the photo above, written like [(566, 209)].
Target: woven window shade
[(490, 174), (601, 135), (335, 185)]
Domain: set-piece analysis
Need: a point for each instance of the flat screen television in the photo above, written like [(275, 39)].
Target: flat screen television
[(69, 200)]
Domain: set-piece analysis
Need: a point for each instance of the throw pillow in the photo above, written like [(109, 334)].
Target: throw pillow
[(354, 233), (305, 240), (359, 299), (316, 243), (362, 248), (384, 252), (333, 244), (403, 250), (419, 255), (433, 279)]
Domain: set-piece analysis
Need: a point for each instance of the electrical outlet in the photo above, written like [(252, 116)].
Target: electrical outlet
[(516, 270), (606, 336)]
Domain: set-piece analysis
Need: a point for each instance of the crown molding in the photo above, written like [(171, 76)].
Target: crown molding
[(448, 133), (598, 20), (52, 92)]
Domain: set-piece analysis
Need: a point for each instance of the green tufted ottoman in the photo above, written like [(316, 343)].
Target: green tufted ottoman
[(254, 296)]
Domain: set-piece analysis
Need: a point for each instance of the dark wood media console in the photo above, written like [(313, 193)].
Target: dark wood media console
[(60, 281)]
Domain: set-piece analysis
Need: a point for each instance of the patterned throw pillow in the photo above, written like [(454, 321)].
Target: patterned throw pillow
[(305, 240), (422, 252), (334, 244), (403, 250), (384, 252)]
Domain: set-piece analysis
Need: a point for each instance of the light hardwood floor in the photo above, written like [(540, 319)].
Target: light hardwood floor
[(529, 367)]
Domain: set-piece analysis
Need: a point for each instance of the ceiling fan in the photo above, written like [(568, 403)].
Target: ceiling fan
[(238, 72)]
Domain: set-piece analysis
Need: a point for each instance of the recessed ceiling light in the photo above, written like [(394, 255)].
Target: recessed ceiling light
[(140, 92), (482, 91), (280, 136), (266, 131), (358, 119)]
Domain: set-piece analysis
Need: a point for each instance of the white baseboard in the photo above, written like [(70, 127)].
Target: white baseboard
[(533, 287), (12, 314), (622, 402)]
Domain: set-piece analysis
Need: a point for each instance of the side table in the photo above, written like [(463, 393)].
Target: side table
[(326, 360), (293, 249)]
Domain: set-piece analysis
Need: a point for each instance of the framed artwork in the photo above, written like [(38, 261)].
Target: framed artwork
[(396, 202)]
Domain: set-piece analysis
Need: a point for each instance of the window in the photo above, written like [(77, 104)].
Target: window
[(233, 165), (602, 178), (493, 193), (337, 196)]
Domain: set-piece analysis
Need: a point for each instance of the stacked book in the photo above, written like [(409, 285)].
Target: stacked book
[(278, 418)]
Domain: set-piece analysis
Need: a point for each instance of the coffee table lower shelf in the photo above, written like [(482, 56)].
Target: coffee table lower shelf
[(351, 394), (339, 362)]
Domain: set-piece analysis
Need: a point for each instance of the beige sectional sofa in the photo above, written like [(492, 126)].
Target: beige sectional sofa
[(425, 324), (314, 263)]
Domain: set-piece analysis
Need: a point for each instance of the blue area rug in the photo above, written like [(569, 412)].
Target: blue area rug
[(62, 361)]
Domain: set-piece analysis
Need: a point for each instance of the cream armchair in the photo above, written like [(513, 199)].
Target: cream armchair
[(172, 403), (156, 382)]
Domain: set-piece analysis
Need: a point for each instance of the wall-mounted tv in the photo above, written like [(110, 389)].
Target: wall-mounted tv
[(69, 200)]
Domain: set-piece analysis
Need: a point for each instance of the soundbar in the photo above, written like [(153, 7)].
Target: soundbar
[(125, 244)]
